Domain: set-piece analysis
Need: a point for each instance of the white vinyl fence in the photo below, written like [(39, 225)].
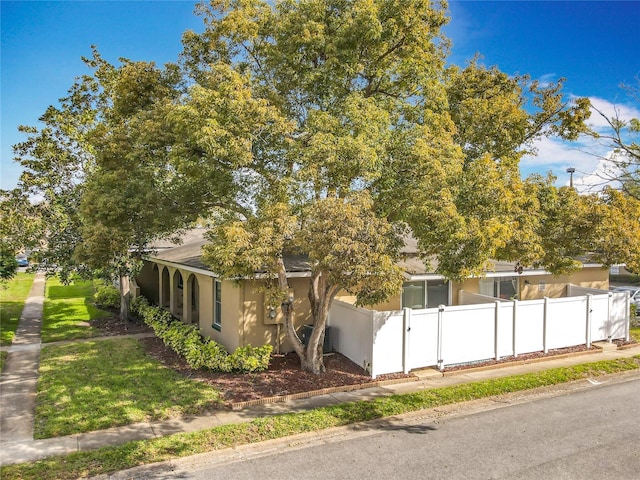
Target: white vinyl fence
[(402, 340)]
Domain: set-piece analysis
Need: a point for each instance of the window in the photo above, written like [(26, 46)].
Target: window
[(499, 287), (217, 305), (413, 295), (425, 294), (437, 293)]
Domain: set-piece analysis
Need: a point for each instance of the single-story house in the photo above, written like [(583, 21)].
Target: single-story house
[(234, 313)]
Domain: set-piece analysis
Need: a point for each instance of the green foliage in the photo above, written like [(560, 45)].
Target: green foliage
[(8, 263), (631, 279), (107, 296), (200, 352), (121, 457)]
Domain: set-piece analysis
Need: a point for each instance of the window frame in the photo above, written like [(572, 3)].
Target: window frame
[(217, 305), (424, 284)]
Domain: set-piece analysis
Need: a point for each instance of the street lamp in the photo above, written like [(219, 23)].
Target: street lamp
[(571, 171)]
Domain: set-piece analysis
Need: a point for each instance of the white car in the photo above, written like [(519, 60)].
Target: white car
[(634, 295)]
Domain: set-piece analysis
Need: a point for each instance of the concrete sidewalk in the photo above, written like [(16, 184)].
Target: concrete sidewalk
[(23, 451), (19, 379)]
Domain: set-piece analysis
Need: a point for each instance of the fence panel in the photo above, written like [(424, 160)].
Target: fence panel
[(388, 343), (423, 338), (599, 317), (566, 322), (505, 328), (352, 330), (619, 315), (529, 326), (468, 333)]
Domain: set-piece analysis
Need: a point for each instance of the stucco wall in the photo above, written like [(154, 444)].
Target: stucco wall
[(540, 286), (257, 328)]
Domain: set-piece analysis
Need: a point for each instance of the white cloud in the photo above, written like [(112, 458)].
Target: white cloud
[(558, 155), (546, 79), (610, 110), (604, 174)]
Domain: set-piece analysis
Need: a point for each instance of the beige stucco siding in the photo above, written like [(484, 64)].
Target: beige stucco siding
[(540, 286), (256, 325)]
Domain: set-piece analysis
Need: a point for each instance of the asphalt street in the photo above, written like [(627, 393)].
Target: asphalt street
[(591, 433)]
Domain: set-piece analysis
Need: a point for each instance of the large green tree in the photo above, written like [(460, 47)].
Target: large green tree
[(131, 196), (56, 158), (344, 131), (18, 230)]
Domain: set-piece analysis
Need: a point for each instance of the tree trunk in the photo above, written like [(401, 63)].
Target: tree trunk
[(125, 299), (321, 295)]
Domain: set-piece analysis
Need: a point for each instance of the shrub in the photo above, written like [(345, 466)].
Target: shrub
[(107, 296), (199, 352)]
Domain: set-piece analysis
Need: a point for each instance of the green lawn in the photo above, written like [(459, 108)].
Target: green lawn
[(12, 297), (634, 334), (94, 385), (67, 311), (128, 455)]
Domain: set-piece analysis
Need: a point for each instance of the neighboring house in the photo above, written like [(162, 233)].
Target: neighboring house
[(234, 313)]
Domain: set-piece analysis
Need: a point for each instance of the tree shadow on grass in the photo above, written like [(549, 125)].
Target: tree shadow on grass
[(101, 384), (9, 318)]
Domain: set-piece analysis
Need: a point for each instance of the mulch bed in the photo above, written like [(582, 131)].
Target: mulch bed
[(521, 358), (285, 377)]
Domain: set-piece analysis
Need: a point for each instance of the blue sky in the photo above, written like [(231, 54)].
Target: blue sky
[(595, 45)]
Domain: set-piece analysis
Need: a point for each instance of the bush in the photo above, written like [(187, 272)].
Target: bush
[(199, 352), (107, 296)]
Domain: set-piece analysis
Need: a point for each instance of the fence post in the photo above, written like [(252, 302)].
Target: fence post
[(372, 363), (515, 322), (406, 326), (627, 315), (495, 330), (440, 318), (609, 322), (589, 300), (544, 325)]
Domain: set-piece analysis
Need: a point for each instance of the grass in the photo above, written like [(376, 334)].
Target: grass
[(94, 385), (12, 298), (634, 334), (3, 358), (67, 311), (111, 459)]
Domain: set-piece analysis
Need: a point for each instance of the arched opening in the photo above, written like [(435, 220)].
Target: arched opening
[(178, 294), (154, 294), (193, 296), (165, 297)]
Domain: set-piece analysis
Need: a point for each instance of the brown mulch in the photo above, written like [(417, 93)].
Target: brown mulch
[(522, 358), (284, 376), (111, 326)]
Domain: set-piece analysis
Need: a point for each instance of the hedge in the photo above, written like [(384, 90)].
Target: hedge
[(107, 296), (199, 352)]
